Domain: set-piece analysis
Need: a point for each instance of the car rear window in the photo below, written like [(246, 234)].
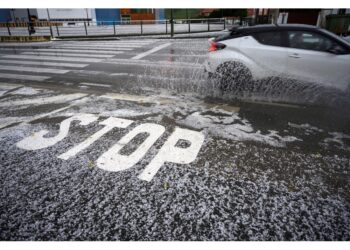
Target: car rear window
[(272, 38)]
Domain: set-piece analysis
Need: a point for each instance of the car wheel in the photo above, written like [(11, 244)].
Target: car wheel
[(233, 76)]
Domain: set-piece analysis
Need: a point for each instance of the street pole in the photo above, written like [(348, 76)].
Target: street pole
[(188, 21), (256, 16), (13, 14), (30, 25), (171, 23), (87, 17), (49, 19)]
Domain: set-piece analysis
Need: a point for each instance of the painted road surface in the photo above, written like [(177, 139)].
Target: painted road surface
[(134, 149)]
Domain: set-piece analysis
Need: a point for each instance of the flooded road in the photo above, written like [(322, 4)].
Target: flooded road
[(148, 148)]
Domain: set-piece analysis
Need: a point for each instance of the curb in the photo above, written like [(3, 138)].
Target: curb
[(145, 36), (24, 39)]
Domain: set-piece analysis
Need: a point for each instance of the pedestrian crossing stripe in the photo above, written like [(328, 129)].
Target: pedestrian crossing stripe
[(54, 58), (34, 70), (54, 64), (66, 54), (24, 77)]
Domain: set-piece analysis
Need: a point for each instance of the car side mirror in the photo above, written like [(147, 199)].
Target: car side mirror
[(336, 49)]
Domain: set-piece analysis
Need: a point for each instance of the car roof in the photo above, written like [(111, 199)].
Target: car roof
[(271, 27)]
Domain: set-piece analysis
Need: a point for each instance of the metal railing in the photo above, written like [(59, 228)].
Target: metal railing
[(108, 28)]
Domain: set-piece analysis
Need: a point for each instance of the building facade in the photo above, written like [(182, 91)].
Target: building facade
[(105, 16)]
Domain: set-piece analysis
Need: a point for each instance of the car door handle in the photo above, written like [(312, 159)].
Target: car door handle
[(294, 55)]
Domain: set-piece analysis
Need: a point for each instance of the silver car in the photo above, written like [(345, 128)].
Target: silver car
[(300, 52)]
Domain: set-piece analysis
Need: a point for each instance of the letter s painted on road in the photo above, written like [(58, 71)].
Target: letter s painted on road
[(37, 140)]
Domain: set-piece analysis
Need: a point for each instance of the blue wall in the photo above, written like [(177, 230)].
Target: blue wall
[(161, 14), (5, 15), (108, 16)]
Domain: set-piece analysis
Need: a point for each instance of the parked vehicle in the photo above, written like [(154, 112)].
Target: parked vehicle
[(301, 52)]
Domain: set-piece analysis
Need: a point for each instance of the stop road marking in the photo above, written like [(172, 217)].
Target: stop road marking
[(112, 160)]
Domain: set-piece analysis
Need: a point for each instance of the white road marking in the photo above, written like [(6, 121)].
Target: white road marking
[(29, 119), (96, 84), (54, 58), (137, 98), (5, 87), (120, 74), (92, 47), (72, 65), (34, 70), (133, 45), (24, 77), (38, 141), (130, 44), (109, 123), (67, 54), (113, 45), (170, 153), (58, 50), (112, 160), (9, 86), (154, 63), (96, 48), (43, 100), (139, 56)]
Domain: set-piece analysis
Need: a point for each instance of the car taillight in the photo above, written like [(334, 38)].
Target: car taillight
[(214, 46)]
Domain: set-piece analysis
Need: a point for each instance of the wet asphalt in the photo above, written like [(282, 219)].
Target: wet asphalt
[(274, 165)]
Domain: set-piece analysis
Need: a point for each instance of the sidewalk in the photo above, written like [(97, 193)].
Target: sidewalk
[(164, 36)]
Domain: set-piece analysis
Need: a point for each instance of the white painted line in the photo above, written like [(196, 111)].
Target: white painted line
[(9, 86), (115, 45), (43, 100), (107, 45), (29, 119), (34, 70), (5, 87), (80, 51), (110, 43), (24, 77), (54, 58), (137, 98), (97, 48), (121, 74), (64, 54), (154, 63), (109, 124), (96, 84), (71, 65), (151, 51), (126, 97), (94, 47)]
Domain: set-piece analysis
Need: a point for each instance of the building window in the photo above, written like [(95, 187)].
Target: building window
[(341, 11)]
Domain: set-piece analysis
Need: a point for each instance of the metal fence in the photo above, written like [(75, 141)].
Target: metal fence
[(105, 28)]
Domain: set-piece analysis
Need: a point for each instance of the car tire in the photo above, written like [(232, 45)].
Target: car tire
[(233, 76)]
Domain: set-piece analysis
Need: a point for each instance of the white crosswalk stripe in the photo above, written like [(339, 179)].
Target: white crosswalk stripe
[(65, 54), (40, 63), (73, 50), (32, 69), (116, 48), (54, 58), (101, 52), (105, 45), (126, 42), (24, 77), (61, 57), (5, 87)]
